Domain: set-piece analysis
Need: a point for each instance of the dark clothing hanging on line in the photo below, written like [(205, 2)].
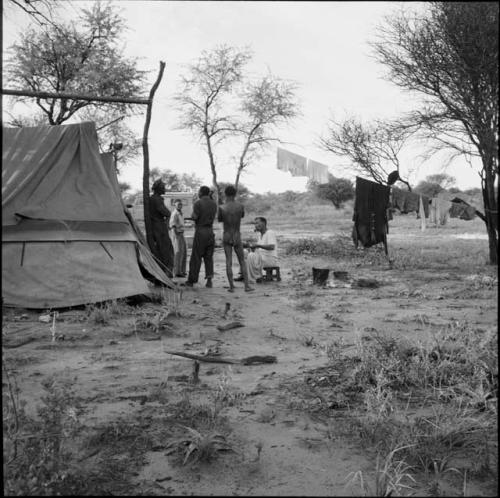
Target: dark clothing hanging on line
[(407, 201), (462, 210), (370, 212)]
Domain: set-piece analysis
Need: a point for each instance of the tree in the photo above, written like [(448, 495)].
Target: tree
[(41, 11), (442, 179), (373, 148), (433, 184), (216, 103), (35, 119), (175, 182), (124, 187), (243, 192), (266, 104), (114, 134), (81, 57), (449, 56), (337, 190), (430, 189)]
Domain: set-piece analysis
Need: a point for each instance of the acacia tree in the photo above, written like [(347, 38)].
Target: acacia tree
[(217, 103), (336, 190), (373, 149), (114, 134), (80, 57), (202, 100), (431, 185), (175, 181), (41, 11), (450, 57), (35, 119), (444, 180), (266, 105)]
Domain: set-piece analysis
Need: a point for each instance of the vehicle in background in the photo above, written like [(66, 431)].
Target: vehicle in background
[(136, 207)]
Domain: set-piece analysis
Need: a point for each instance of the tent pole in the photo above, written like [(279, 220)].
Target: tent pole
[(73, 96), (145, 148)]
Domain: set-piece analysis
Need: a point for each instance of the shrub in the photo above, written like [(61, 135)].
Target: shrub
[(37, 457), (337, 191)]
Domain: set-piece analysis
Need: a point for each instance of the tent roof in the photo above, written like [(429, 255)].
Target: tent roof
[(56, 173)]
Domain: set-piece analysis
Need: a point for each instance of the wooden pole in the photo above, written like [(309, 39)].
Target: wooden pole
[(74, 96), (145, 149)]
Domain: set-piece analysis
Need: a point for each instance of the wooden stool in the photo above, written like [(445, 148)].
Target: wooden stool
[(270, 271)]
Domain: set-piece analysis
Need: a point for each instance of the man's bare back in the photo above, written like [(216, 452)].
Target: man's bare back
[(230, 214)]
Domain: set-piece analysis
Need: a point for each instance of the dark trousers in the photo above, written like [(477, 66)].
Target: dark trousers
[(163, 248), (203, 249)]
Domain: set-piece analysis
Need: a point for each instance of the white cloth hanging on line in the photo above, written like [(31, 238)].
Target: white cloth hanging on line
[(295, 163), (317, 172)]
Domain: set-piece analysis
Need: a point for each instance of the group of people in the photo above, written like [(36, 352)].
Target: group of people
[(172, 251)]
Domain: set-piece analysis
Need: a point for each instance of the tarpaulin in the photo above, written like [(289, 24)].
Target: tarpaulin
[(66, 238), (56, 173)]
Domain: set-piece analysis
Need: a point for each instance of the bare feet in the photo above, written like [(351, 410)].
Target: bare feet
[(249, 289), (231, 289)]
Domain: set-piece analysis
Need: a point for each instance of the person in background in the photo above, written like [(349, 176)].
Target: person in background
[(204, 211), (262, 253), (160, 217), (179, 242), (230, 214)]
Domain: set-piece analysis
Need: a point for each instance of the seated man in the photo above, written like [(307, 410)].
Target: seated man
[(263, 253)]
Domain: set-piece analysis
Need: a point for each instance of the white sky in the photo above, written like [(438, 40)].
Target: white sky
[(320, 45)]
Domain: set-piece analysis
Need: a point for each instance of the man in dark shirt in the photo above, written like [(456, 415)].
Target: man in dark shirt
[(230, 215), (160, 217), (204, 211)]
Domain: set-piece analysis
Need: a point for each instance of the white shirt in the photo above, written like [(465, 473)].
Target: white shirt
[(177, 220), (269, 257)]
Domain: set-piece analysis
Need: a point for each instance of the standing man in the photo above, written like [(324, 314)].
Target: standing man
[(160, 217), (204, 211), (179, 242), (230, 215)]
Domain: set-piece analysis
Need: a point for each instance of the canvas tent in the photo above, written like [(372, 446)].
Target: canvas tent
[(66, 236)]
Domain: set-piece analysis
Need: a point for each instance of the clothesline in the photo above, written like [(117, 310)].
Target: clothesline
[(299, 165)]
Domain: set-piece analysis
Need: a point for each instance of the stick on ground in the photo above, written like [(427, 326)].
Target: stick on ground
[(249, 360)]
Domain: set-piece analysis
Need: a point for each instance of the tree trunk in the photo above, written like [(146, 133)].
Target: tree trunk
[(145, 148), (241, 166), (237, 180), (490, 208), (212, 168)]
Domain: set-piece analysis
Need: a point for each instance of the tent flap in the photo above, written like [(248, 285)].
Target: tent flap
[(52, 275), (56, 173)]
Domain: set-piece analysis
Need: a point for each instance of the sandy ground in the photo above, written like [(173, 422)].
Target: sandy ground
[(123, 373)]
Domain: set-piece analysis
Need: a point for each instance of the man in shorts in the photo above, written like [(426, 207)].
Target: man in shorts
[(230, 214)]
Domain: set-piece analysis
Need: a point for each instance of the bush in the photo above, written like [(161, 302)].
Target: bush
[(337, 191), (37, 458)]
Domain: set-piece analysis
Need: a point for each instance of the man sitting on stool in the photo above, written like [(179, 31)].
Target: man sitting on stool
[(263, 253)]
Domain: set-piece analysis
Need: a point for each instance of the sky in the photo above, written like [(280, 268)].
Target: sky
[(322, 46)]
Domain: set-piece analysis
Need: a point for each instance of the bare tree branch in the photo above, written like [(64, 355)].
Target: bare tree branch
[(449, 55)]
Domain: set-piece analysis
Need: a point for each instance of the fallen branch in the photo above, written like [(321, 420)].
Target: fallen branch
[(18, 344), (232, 325), (249, 360)]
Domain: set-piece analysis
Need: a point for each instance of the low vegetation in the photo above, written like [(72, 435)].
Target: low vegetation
[(422, 405)]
